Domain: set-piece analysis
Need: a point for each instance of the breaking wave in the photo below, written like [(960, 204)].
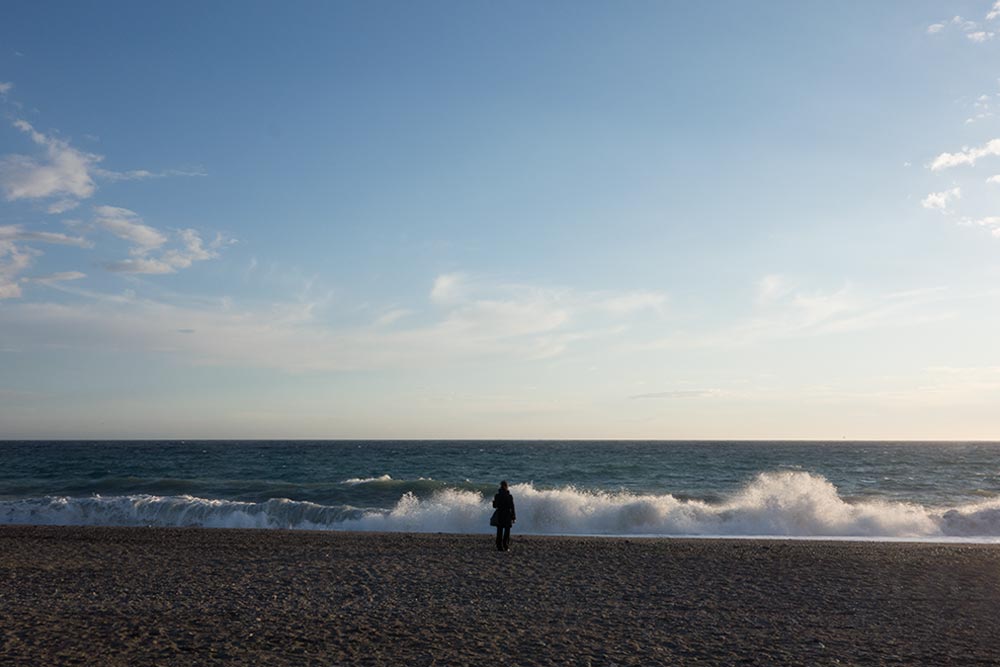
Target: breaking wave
[(776, 504)]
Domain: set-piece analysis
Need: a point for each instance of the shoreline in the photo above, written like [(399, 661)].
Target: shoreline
[(886, 539), (186, 596)]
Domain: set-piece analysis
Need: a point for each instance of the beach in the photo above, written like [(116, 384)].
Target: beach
[(183, 596)]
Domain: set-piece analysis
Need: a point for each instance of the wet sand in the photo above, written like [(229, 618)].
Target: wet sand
[(124, 596)]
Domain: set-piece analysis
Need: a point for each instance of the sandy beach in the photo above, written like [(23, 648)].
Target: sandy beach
[(134, 596)]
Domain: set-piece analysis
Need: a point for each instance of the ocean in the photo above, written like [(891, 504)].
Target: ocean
[(855, 490)]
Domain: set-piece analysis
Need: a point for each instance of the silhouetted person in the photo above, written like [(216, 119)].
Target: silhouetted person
[(506, 516)]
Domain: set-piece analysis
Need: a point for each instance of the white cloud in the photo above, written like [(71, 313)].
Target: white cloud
[(18, 233), (941, 200), (5, 87), (994, 11), (64, 171), (995, 180), (972, 29), (967, 156), (126, 224)]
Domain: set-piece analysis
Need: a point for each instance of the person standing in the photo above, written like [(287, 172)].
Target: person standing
[(506, 516)]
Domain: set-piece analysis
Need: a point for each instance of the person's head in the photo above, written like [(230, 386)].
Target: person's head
[(503, 485)]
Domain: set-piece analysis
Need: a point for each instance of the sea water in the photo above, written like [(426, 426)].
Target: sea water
[(861, 490)]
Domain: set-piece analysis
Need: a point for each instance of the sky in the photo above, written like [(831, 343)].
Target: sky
[(665, 220)]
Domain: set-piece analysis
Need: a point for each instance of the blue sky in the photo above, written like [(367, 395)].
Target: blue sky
[(555, 220)]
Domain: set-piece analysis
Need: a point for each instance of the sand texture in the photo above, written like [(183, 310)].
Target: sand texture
[(122, 596)]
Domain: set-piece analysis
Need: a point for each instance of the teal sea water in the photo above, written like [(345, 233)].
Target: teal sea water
[(869, 490)]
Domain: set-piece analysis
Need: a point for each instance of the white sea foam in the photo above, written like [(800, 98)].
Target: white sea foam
[(367, 480), (777, 504)]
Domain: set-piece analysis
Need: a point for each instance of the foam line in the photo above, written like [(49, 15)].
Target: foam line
[(777, 504)]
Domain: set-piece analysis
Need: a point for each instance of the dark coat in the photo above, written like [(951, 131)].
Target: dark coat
[(504, 504)]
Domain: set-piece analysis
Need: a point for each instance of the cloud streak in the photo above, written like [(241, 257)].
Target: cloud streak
[(127, 225), (679, 394), (18, 233), (492, 322), (795, 313)]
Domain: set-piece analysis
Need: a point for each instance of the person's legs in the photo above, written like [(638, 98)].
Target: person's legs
[(506, 538), (500, 538)]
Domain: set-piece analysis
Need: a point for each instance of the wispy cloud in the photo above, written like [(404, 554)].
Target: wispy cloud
[(633, 302), (60, 277), (982, 108), (18, 233), (491, 322), (13, 261), (994, 180), (62, 206), (991, 222), (390, 317), (448, 287), (16, 258), (5, 87), (172, 260), (994, 12), (126, 224), (794, 312), (771, 288), (144, 174)]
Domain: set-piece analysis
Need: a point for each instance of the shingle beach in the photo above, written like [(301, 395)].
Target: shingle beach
[(153, 596)]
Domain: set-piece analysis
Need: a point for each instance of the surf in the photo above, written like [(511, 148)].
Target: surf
[(789, 504)]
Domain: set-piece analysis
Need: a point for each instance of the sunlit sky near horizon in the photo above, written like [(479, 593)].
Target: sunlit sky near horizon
[(515, 220)]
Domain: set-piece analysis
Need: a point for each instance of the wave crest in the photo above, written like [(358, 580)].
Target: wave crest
[(785, 504)]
